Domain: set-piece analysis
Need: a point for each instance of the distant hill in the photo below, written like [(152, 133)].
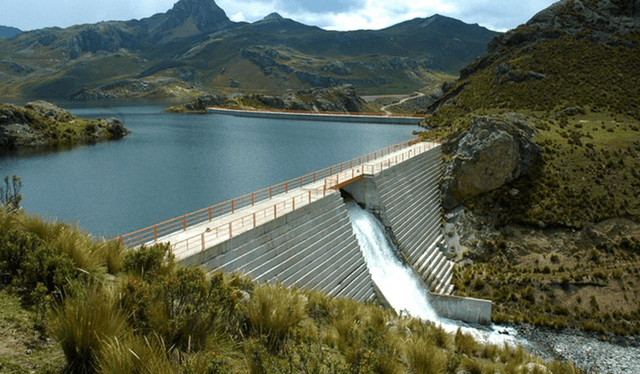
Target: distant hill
[(194, 47), (8, 32)]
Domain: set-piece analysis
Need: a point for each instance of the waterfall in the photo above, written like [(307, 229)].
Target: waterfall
[(400, 285)]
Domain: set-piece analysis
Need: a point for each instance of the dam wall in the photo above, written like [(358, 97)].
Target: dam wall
[(358, 118), (313, 247), (406, 198)]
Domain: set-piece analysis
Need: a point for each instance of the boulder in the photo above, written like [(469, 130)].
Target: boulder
[(491, 153), (115, 128)]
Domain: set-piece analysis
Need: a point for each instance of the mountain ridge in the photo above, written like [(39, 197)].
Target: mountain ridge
[(194, 47), (9, 32)]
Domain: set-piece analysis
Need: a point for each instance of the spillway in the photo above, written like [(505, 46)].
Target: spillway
[(401, 286)]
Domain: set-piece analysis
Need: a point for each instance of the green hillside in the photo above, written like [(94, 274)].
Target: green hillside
[(561, 244)]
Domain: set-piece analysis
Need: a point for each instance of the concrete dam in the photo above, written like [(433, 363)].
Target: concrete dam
[(299, 232)]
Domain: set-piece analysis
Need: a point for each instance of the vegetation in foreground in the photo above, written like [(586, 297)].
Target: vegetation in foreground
[(74, 304)]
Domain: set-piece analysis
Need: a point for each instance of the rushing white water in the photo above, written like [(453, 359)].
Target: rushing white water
[(400, 285)]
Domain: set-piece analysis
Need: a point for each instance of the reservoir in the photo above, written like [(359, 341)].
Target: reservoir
[(172, 164)]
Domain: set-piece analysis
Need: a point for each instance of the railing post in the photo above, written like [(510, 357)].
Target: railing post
[(233, 206), (253, 199), (286, 187), (122, 239), (330, 170), (155, 233), (300, 182), (270, 192), (314, 177), (351, 164), (184, 222), (341, 167)]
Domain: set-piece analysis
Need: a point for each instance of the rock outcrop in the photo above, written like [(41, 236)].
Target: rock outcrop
[(601, 21), (41, 123), (491, 153), (333, 99)]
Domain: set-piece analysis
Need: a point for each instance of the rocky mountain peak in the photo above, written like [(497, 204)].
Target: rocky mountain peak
[(597, 20), (9, 32), (601, 21), (273, 17), (206, 15)]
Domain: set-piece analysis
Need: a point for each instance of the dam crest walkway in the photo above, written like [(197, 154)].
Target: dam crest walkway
[(298, 232)]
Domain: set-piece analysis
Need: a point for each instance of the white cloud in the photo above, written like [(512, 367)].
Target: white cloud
[(329, 14), (238, 17)]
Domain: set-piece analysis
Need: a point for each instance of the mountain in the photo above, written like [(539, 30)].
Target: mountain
[(194, 47), (541, 137), (8, 32)]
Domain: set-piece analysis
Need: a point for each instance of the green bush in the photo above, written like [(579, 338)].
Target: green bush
[(274, 312), (135, 355), (149, 262), (184, 308), (28, 261), (88, 318), (425, 357)]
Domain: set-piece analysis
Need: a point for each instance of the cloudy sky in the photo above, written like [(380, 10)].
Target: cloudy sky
[(499, 15)]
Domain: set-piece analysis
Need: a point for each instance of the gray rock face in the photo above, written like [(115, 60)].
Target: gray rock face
[(205, 101), (491, 153), (206, 15), (602, 18)]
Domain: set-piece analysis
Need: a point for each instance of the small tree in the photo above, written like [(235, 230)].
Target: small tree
[(10, 195)]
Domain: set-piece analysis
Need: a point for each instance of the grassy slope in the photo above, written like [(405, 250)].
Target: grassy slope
[(136, 312), (589, 174)]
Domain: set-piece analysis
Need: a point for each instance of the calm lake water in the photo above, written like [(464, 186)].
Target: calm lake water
[(175, 164)]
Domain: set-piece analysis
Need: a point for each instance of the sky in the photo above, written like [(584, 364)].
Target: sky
[(343, 15)]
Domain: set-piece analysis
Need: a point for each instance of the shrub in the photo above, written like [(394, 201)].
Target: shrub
[(190, 308), (10, 196), (87, 319), (274, 312), (113, 254), (425, 357), (149, 262), (465, 343), (134, 354), (70, 240), (29, 261)]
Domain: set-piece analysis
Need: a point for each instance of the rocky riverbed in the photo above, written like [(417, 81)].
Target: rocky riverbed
[(586, 351)]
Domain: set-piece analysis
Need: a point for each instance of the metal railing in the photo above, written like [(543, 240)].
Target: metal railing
[(157, 231), (246, 222), (340, 179)]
